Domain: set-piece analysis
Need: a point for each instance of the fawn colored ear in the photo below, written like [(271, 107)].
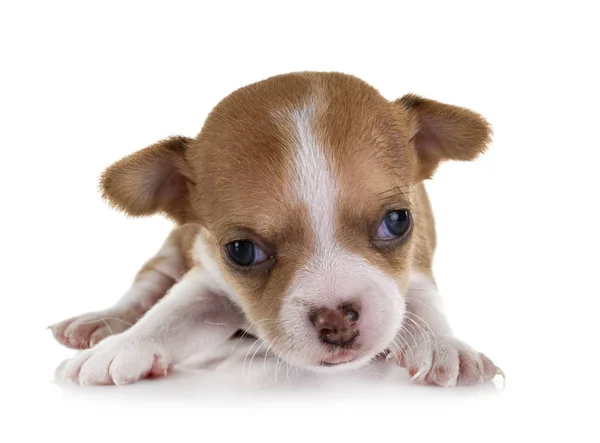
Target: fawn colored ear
[(150, 181), (444, 132)]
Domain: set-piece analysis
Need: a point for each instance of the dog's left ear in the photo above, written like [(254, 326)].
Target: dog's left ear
[(444, 132)]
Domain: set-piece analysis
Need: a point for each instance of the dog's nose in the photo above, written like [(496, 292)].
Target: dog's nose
[(337, 326)]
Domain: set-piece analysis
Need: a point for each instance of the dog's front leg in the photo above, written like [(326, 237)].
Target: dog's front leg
[(193, 317), (152, 282), (428, 348)]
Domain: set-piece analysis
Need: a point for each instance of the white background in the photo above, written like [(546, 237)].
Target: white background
[(84, 84)]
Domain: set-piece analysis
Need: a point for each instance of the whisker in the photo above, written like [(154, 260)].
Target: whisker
[(422, 330), (410, 299), (278, 364), (103, 319), (246, 357), (108, 327), (423, 321), (265, 359), (246, 333), (407, 347), (254, 355), (411, 334)]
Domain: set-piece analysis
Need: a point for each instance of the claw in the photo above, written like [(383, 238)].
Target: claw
[(501, 373), (417, 374)]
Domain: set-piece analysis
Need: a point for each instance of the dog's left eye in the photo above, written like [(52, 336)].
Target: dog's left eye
[(245, 253), (394, 225)]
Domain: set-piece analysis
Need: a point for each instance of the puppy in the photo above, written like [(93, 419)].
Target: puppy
[(301, 218)]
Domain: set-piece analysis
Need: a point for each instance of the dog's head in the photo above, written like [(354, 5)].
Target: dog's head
[(307, 187)]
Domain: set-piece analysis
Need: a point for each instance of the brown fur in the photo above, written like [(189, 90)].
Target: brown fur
[(444, 132), (233, 178), (152, 180), (182, 238)]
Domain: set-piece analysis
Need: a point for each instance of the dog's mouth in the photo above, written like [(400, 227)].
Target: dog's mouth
[(344, 357), (340, 358)]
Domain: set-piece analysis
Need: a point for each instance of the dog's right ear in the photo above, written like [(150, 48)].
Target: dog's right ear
[(150, 181)]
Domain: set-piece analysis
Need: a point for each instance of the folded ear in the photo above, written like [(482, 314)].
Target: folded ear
[(444, 132), (152, 180)]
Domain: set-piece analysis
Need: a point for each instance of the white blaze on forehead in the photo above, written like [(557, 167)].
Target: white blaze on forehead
[(314, 182), (333, 274)]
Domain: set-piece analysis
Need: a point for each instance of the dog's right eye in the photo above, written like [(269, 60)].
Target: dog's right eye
[(245, 253)]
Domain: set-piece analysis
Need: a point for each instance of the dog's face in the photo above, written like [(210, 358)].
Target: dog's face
[(307, 188)]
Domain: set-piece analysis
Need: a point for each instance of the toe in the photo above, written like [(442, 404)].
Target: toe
[(490, 370), (471, 368), (444, 370), (95, 371), (58, 331), (98, 335), (69, 370), (59, 373), (128, 367), (419, 364), (79, 331)]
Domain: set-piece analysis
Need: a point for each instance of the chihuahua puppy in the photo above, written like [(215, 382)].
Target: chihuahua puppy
[(301, 218)]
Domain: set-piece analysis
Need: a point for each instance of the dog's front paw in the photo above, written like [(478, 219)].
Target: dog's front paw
[(85, 331), (116, 360), (445, 361)]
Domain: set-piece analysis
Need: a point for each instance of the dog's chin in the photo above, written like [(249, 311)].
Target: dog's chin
[(344, 361)]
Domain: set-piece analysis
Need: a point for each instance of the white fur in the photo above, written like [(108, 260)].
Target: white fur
[(191, 319), (424, 300), (202, 254), (314, 182)]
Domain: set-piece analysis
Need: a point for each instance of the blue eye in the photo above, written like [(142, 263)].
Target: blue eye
[(394, 225), (245, 253)]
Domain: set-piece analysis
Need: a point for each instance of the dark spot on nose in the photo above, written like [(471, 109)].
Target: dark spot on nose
[(337, 326)]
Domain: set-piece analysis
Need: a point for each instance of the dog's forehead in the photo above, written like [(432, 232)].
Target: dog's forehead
[(268, 143)]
